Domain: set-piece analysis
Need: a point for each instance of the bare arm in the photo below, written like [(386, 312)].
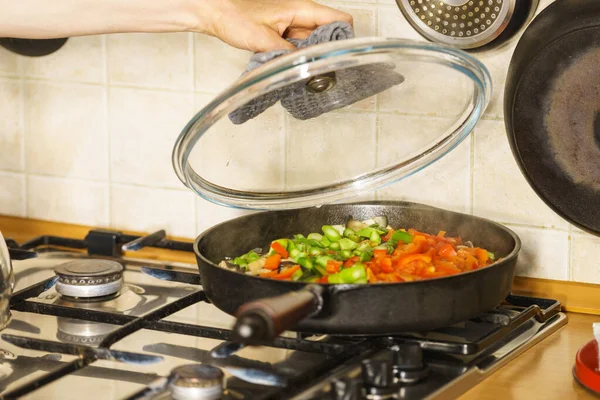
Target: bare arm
[(256, 25)]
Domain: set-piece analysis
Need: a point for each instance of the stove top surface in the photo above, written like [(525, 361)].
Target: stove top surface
[(85, 319)]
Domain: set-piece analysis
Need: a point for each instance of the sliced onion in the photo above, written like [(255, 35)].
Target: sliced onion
[(381, 220), (355, 225)]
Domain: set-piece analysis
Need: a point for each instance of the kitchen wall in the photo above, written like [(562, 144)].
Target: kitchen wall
[(86, 137)]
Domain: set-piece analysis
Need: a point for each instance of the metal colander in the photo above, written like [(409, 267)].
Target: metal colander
[(460, 23)]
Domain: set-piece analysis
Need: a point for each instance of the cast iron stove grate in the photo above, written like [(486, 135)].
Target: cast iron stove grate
[(452, 350)]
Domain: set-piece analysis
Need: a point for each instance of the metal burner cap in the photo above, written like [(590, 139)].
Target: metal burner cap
[(89, 278), (198, 382)]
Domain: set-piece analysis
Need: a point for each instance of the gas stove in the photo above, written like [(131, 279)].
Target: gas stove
[(87, 320)]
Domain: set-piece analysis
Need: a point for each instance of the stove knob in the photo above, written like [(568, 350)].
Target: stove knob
[(378, 372), (407, 356), (347, 389), (408, 363)]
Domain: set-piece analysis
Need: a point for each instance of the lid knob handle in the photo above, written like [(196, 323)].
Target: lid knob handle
[(321, 83)]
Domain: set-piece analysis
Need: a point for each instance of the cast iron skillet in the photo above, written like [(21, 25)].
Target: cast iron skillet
[(351, 309), (552, 109), (33, 47)]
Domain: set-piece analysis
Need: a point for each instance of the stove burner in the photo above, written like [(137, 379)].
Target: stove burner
[(197, 382), (77, 331), (89, 278)]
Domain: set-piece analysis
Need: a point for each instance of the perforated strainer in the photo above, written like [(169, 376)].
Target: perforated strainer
[(464, 24)]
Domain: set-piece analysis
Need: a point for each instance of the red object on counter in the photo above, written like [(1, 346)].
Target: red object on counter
[(586, 366)]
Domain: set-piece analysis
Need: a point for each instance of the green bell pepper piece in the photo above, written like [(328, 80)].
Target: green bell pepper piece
[(315, 251), (305, 262), (320, 270), (347, 244), (375, 238), (365, 256), (325, 242), (355, 238), (491, 256), (345, 254), (331, 233), (366, 232), (322, 261), (240, 261), (365, 245), (335, 246), (297, 275), (252, 256), (402, 236), (315, 236), (335, 278), (348, 232), (354, 273)]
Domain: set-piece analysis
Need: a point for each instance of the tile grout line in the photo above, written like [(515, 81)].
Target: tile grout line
[(108, 195), (192, 61)]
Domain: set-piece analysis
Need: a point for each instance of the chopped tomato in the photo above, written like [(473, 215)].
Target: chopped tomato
[(351, 261), (482, 255), (287, 273), (333, 267), (371, 276), (386, 264), (447, 251), (272, 262), (388, 235), (379, 253), (269, 274), (414, 257), (279, 249)]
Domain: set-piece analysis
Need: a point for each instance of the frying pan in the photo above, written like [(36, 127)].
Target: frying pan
[(552, 109), (266, 307), (32, 47)]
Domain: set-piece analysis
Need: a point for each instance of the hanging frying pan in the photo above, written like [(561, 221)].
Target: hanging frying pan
[(552, 109), (32, 47)]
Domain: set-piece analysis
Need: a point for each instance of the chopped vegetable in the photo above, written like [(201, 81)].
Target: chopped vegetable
[(272, 262), (279, 249), (362, 252), (287, 273), (331, 233), (401, 236)]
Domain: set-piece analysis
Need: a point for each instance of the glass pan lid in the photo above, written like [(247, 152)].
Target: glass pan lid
[(323, 124)]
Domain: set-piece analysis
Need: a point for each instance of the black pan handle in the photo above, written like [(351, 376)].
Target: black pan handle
[(261, 321)]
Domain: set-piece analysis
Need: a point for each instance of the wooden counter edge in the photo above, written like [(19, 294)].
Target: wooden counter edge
[(575, 297)]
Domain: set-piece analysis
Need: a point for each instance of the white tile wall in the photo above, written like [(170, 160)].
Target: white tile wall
[(12, 194), (86, 137), (67, 200), (143, 126), (79, 60), (146, 59), (168, 209), (585, 258), (66, 130), (9, 63), (11, 126)]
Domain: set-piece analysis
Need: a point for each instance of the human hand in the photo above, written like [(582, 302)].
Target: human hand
[(262, 25)]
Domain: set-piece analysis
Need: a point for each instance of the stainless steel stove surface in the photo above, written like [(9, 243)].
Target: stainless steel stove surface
[(88, 322)]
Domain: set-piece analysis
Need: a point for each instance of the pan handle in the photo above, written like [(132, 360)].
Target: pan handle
[(261, 321)]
